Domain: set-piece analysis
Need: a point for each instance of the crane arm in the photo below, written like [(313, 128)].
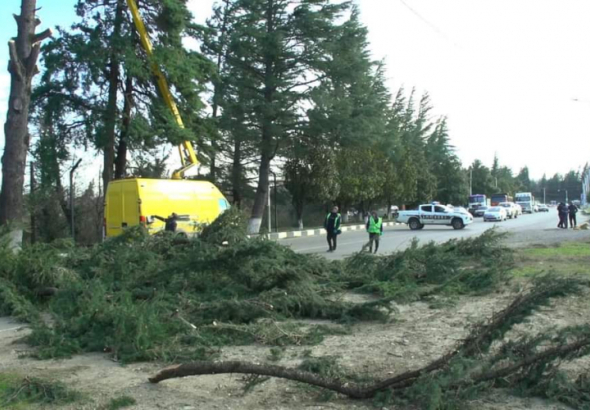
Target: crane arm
[(188, 157)]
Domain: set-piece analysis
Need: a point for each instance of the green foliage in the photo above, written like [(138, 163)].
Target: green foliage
[(142, 298), (229, 228), (120, 403), (472, 265), (18, 392)]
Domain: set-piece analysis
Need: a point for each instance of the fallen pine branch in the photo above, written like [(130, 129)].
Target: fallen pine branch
[(478, 340), (354, 390)]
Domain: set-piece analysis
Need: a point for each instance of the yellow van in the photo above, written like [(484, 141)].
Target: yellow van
[(134, 201)]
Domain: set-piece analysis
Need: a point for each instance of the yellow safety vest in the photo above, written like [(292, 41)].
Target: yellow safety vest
[(375, 227)]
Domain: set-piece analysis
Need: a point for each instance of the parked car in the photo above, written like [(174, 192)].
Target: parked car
[(511, 209), (479, 212), (495, 214), (543, 208), (535, 208)]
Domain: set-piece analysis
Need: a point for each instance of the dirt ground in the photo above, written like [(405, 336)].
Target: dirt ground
[(415, 336)]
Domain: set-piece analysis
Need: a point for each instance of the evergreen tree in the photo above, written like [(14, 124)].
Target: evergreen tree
[(275, 52), (100, 78)]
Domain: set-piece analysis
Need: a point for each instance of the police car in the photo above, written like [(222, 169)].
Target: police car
[(434, 214)]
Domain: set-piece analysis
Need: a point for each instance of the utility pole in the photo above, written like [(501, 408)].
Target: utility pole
[(269, 211), (33, 218), (72, 198), (544, 201), (274, 176), (471, 181)]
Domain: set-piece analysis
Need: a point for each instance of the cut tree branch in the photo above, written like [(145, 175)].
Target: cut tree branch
[(15, 63), (480, 336), (42, 36), (32, 60)]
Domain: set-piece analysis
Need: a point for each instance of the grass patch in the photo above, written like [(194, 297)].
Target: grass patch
[(120, 403), (567, 249), (17, 392), (568, 258)]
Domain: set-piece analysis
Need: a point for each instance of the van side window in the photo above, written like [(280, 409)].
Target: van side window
[(223, 205)]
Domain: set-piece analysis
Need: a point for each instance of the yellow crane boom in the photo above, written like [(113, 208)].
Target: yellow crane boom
[(188, 157)]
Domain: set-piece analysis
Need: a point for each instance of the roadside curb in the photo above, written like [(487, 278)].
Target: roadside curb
[(314, 232)]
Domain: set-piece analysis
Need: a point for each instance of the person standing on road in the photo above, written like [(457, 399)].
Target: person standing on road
[(562, 209), (573, 210), (332, 227), (375, 230)]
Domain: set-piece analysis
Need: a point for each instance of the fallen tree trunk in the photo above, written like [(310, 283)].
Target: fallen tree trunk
[(201, 368)]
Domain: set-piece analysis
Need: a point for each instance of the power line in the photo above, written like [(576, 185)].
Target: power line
[(432, 26)]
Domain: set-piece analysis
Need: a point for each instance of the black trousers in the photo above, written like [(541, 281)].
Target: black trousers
[(573, 222), (374, 238), (332, 237), (563, 220)]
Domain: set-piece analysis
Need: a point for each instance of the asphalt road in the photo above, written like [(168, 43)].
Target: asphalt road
[(399, 237)]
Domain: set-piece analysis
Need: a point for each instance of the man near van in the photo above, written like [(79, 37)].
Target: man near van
[(332, 227), (375, 230), (170, 222)]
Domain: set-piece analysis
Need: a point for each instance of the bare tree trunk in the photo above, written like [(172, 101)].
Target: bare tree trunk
[(24, 52), (121, 160), (110, 116), (261, 195)]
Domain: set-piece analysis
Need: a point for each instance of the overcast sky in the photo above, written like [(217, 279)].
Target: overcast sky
[(504, 72)]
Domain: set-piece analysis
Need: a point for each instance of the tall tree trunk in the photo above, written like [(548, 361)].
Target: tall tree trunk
[(110, 116), (236, 174), (121, 160), (24, 52), (266, 143), (299, 211)]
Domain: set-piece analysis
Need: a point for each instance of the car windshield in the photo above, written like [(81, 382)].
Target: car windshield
[(495, 209)]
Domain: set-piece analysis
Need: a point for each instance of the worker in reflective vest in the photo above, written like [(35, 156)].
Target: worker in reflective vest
[(375, 230)]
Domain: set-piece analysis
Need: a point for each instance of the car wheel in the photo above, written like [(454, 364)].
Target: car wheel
[(458, 224), (414, 224), (421, 226)]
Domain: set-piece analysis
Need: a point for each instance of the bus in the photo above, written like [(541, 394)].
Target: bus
[(496, 199), (476, 201), (526, 200)]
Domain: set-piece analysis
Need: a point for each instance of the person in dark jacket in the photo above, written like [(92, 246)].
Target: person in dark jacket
[(573, 210), (170, 222), (332, 227), (562, 209), (560, 224)]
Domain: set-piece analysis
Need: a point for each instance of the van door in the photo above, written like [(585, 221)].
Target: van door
[(114, 209), (130, 204)]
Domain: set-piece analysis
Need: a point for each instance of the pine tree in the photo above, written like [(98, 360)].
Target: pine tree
[(275, 53), (103, 79)]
